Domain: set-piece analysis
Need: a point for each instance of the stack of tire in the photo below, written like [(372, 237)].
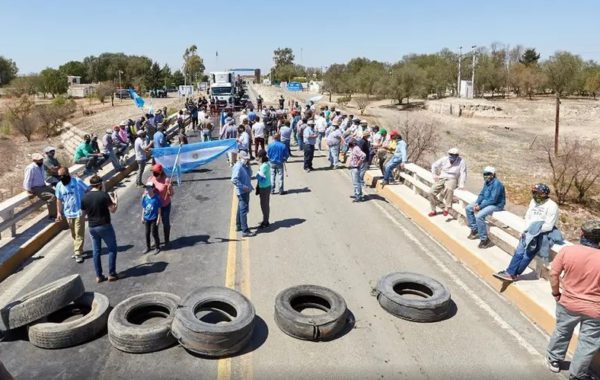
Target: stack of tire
[(47, 313)]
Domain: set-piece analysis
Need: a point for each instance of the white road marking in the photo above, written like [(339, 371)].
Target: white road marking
[(476, 299)]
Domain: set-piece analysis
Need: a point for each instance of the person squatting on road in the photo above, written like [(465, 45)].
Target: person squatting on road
[(164, 188), (241, 175), (34, 184), (97, 206), (539, 235), (263, 188), (69, 194), (355, 161), (397, 159), (492, 198), (577, 296), (151, 216), (448, 173), (278, 154)]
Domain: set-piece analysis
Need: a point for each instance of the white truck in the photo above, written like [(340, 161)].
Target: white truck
[(223, 89)]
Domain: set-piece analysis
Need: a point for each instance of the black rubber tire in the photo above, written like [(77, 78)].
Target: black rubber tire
[(214, 339), (71, 333), (288, 316), (126, 331), (434, 306), (41, 302)]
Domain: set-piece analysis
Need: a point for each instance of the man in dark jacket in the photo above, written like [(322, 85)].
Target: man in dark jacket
[(492, 198)]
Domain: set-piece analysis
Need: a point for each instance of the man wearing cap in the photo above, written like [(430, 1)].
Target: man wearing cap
[(491, 198), (51, 166), (141, 148), (278, 154), (84, 154), (334, 140), (241, 176), (159, 139), (575, 285), (310, 139), (34, 184), (69, 194), (109, 149), (286, 133), (448, 173), (398, 158), (320, 127), (159, 117)]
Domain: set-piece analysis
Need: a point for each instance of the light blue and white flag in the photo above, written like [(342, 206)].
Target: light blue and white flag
[(181, 159), (139, 101)]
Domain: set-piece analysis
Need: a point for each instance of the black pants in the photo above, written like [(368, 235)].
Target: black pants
[(151, 226), (309, 153)]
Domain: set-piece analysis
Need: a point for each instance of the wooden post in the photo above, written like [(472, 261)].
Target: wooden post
[(556, 123)]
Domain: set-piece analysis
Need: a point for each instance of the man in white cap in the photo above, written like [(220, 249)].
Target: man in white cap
[(51, 166), (492, 198), (108, 149), (448, 173), (310, 140), (34, 184)]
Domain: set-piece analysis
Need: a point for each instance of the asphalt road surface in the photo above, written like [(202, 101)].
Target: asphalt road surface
[(318, 236)]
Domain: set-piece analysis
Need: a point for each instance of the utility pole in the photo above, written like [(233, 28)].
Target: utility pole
[(120, 87), (556, 123), (473, 71), (459, 74)]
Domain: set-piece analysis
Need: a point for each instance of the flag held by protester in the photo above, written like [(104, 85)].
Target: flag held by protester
[(181, 159), (139, 102)]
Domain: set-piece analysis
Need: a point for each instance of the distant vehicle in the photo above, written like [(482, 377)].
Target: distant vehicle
[(122, 94), (158, 93)]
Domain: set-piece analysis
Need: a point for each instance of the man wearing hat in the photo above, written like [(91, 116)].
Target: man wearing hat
[(448, 173), (365, 146), (575, 285), (491, 198), (310, 140), (34, 184), (320, 127), (84, 154), (334, 140), (141, 149), (51, 166), (398, 158), (108, 149), (241, 176)]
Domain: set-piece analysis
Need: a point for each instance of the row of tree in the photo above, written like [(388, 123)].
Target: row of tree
[(117, 68)]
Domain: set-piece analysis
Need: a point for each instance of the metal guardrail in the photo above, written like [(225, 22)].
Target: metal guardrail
[(505, 228), (12, 212)]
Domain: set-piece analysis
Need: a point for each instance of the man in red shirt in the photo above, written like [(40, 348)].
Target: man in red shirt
[(577, 303)]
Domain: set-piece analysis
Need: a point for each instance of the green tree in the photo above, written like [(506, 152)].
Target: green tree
[(8, 70), (178, 78), (154, 77), (21, 116), (166, 76), (193, 65), (25, 85), (406, 80), (527, 79), (530, 57), (336, 80), (104, 90), (53, 82), (75, 68), (490, 71), (592, 81), (365, 80), (283, 56)]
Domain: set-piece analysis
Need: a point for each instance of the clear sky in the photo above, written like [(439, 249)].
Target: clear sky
[(37, 34)]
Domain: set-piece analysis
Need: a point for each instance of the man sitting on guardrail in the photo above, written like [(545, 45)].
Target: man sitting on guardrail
[(448, 173), (85, 155), (492, 198), (398, 159), (539, 236), (577, 303), (34, 184)]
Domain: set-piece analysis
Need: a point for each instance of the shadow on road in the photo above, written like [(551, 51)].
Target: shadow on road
[(189, 241), (298, 191), (206, 179), (375, 197), (201, 170), (285, 223), (144, 269)]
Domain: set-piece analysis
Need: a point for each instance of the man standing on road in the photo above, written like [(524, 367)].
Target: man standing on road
[(365, 147), (51, 166), (448, 173), (357, 157), (577, 303), (281, 102), (258, 133), (320, 126), (286, 134), (34, 184), (69, 194), (334, 141), (491, 198), (241, 178), (164, 188), (98, 205), (141, 148), (398, 159), (310, 139), (278, 154)]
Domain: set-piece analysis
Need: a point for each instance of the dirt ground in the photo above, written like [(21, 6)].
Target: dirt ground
[(504, 133), (16, 151)]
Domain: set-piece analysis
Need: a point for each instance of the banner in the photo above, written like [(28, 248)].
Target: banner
[(139, 102), (181, 159)]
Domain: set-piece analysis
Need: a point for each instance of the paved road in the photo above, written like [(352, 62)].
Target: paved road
[(317, 236)]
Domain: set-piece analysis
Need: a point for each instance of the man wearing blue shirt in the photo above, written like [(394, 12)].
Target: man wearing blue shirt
[(278, 154), (399, 158), (159, 138), (241, 178), (492, 198), (69, 193)]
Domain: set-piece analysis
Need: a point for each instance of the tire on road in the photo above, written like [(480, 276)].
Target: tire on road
[(41, 302), (432, 305), (288, 312), (59, 331), (142, 323), (214, 321)]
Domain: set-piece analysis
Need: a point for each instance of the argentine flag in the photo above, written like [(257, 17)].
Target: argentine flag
[(139, 102), (181, 159)]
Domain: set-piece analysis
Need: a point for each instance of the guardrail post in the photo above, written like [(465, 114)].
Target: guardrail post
[(414, 175), (13, 228)]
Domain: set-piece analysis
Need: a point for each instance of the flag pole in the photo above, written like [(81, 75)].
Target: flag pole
[(175, 165)]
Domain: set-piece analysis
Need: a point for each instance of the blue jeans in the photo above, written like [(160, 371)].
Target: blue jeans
[(587, 345), (165, 216), (355, 172), (104, 232), (362, 170), (277, 176), (309, 153), (389, 168), (241, 220), (334, 154), (522, 257), (113, 159), (287, 144), (477, 222), (300, 140), (320, 136)]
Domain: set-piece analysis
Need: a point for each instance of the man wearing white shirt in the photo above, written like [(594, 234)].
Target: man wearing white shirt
[(448, 173), (34, 184), (320, 127), (258, 133)]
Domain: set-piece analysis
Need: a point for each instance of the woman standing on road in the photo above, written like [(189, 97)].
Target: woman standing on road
[(164, 187)]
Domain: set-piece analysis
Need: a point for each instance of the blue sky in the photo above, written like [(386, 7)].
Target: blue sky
[(37, 34)]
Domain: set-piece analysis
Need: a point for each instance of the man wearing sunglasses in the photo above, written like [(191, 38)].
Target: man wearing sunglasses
[(492, 198)]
